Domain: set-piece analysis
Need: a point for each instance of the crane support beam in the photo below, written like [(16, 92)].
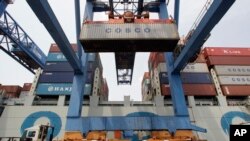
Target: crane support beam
[(177, 93), (74, 122), (140, 7), (19, 44), (171, 123), (17, 59), (176, 11), (111, 7), (46, 15), (213, 15), (3, 5)]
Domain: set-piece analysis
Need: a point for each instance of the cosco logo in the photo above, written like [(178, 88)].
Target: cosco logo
[(241, 79), (127, 30)]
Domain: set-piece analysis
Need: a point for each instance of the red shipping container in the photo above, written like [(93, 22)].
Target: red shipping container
[(146, 75), (193, 89), (165, 90), (199, 90), (219, 51), (160, 57), (26, 86), (228, 60), (152, 56), (11, 95), (236, 90), (55, 48), (11, 88)]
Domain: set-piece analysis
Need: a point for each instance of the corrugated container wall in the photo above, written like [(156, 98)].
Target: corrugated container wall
[(232, 68), (192, 89)]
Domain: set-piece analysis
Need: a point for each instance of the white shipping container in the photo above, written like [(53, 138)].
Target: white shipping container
[(232, 70), (191, 67), (234, 80), (162, 67), (196, 68)]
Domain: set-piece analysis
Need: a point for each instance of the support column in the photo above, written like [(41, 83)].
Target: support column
[(177, 94), (74, 119)]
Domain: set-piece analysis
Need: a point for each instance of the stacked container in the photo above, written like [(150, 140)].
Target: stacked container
[(146, 87), (232, 67), (57, 76), (195, 76), (10, 91), (25, 89), (104, 90)]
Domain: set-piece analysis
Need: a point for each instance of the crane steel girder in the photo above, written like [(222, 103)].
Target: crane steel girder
[(46, 15), (23, 48), (213, 15), (171, 123)]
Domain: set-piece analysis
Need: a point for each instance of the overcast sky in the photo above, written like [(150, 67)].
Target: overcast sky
[(232, 31)]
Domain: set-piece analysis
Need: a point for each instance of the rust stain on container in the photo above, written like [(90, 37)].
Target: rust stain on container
[(236, 90), (193, 89), (228, 60)]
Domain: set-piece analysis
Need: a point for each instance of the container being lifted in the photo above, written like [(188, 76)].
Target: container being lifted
[(129, 34)]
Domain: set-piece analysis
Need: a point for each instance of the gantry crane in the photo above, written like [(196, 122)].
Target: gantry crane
[(180, 121), (16, 42)]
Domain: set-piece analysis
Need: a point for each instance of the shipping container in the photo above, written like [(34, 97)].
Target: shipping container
[(234, 80), (165, 90), (11, 95), (196, 78), (196, 68), (99, 37), (228, 60), (192, 89), (222, 51), (59, 89), (191, 68), (236, 90), (189, 78), (162, 67), (56, 77), (90, 77), (163, 78), (56, 57), (11, 88), (232, 70), (58, 67), (54, 48), (146, 75), (93, 56), (105, 88), (26, 86)]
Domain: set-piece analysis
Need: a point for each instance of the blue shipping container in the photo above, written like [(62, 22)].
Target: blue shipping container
[(92, 57), (90, 77), (196, 78), (189, 78), (59, 57), (163, 77), (56, 57), (59, 89), (58, 67), (56, 77)]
